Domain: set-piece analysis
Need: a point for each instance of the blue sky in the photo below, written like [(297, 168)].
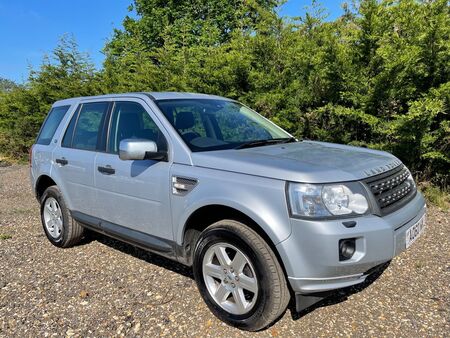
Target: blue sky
[(30, 28)]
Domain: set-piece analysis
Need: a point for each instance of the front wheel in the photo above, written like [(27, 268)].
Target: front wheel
[(59, 226), (239, 276)]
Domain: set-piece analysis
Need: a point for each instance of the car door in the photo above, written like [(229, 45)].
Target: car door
[(134, 194), (74, 161)]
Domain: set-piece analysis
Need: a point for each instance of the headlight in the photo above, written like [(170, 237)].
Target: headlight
[(314, 200)]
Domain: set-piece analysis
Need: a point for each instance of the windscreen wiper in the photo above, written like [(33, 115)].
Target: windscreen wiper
[(259, 143)]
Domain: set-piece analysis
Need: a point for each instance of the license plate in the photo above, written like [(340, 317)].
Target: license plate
[(415, 231)]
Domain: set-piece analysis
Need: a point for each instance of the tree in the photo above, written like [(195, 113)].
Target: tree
[(67, 73), (6, 85)]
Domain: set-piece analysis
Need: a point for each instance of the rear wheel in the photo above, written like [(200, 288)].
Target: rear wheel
[(239, 276), (59, 227)]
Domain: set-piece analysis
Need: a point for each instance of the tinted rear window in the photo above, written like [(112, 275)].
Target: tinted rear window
[(89, 124), (51, 123)]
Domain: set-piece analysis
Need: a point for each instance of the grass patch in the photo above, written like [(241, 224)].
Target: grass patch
[(6, 161), (439, 197), (419, 265), (21, 211), (4, 237)]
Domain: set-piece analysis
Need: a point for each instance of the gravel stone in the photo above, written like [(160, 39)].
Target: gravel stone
[(105, 288)]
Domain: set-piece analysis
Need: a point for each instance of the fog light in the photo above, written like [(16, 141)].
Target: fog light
[(347, 248)]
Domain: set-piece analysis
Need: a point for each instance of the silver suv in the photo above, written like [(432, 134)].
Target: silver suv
[(208, 182)]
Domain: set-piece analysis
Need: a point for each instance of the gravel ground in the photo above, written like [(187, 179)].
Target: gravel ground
[(105, 288)]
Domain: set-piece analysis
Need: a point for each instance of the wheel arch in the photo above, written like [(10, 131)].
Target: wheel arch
[(205, 215), (42, 183)]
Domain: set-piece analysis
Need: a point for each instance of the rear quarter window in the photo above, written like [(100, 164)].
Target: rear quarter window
[(50, 125)]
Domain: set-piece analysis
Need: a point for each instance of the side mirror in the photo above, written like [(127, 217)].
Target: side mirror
[(140, 149)]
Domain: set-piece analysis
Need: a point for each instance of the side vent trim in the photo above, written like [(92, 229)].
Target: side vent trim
[(182, 186)]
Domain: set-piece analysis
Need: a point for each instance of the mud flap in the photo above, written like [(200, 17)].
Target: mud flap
[(304, 301)]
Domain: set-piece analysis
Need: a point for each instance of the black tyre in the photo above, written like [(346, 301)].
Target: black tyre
[(59, 226), (239, 276)]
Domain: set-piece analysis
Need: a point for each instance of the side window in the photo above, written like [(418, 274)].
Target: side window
[(88, 125), (50, 125), (131, 120), (68, 135)]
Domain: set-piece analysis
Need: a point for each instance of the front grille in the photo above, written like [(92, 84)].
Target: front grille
[(392, 189)]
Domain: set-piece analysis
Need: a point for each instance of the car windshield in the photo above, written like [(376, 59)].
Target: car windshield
[(211, 124)]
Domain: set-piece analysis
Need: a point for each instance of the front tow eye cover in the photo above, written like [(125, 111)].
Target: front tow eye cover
[(349, 224)]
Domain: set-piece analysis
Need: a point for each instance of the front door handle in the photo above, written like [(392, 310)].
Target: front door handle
[(106, 170), (62, 161)]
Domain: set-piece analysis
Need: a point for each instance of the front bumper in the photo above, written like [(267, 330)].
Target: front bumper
[(311, 256)]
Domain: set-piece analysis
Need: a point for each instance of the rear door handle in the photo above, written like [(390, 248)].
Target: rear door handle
[(62, 161), (106, 170)]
